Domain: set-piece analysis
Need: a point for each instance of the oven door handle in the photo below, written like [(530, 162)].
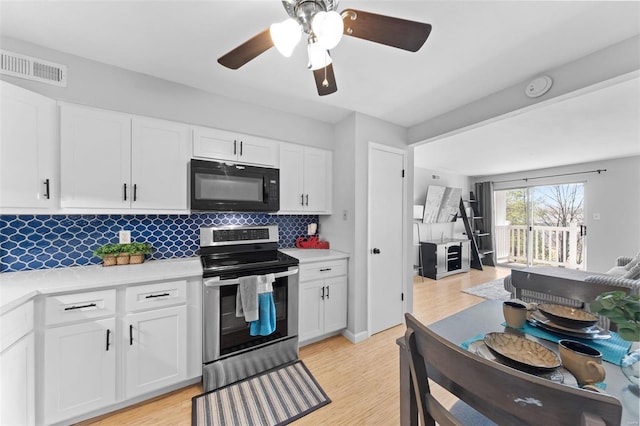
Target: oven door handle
[(217, 282)]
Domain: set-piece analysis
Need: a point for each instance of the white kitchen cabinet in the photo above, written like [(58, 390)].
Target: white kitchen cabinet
[(155, 349), (159, 164), (111, 160), (222, 145), (305, 179), (79, 368), (323, 299), (17, 362), (28, 151)]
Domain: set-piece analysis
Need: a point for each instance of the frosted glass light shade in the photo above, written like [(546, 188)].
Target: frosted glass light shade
[(318, 56), (285, 36), (328, 28)]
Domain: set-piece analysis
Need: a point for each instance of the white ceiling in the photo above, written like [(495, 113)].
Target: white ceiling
[(476, 48), (601, 124)]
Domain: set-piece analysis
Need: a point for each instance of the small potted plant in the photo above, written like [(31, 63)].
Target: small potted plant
[(108, 254), (624, 310), (137, 251)]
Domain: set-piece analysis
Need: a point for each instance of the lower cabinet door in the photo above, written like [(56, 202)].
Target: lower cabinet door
[(17, 386), (155, 349), (335, 304), (311, 310), (79, 369)]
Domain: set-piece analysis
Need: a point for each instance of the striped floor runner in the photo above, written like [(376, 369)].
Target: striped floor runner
[(276, 397)]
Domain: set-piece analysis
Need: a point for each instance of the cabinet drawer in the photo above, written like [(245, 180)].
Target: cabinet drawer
[(80, 306), (319, 270), (15, 324), (156, 295)]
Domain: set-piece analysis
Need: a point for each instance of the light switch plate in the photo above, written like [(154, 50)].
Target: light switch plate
[(125, 237)]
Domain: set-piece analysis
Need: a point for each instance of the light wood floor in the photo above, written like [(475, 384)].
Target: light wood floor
[(361, 379)]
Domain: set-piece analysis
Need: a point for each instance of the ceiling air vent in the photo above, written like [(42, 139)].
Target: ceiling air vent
[(30, 68)]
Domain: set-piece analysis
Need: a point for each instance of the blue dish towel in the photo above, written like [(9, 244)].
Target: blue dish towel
[(266, 322)]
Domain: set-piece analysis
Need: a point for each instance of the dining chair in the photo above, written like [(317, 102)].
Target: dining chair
[(494, 392)]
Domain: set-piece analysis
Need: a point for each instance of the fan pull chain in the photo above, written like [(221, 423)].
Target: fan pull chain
[(325, 82)]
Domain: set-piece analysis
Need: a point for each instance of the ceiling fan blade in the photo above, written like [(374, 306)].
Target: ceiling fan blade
[(247, 51), (320, 75), (394, 32)]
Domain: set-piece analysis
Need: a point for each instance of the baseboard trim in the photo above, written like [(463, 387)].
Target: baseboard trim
[(356, 338)]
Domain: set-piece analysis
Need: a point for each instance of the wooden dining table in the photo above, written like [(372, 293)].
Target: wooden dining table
[(487, 317)]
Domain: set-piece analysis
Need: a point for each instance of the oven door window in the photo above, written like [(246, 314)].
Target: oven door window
[(234, 331), (228, 188)]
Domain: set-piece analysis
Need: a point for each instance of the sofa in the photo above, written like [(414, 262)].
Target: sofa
[(625, 274)]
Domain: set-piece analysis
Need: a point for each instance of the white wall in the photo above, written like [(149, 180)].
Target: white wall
[(613, 195), (105, 86), (352, 140)]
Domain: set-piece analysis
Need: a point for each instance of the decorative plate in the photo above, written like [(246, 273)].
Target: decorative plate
[(522, 352), (560, 375), (568, 316), (593, 332)]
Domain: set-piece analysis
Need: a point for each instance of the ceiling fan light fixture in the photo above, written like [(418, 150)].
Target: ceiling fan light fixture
[(318, 55), (328, 28), (285, 36)]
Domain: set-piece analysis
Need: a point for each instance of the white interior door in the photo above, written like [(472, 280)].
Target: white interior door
[(386, 241)]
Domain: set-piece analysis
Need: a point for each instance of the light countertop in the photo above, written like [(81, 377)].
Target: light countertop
[(18, 287), (315, 255)]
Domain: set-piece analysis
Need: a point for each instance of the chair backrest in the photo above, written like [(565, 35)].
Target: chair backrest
[(502, 394)]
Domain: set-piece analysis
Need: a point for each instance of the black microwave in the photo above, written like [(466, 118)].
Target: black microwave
[(223, 187)]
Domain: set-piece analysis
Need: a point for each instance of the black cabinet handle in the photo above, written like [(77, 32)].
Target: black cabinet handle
[(241, 148), (135, 191), (108, 342), (322, 297), (327, 292), (151, 296), (130, 334), (325, 269), (375, 251), (125, 191), (302, 199), (47, 193), (307, 202), (234, 147), (71, 308)]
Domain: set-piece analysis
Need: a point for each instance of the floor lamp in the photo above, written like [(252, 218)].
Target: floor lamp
[(418, 212)]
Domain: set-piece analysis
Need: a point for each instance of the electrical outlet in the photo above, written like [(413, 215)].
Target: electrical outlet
[(124, 236)]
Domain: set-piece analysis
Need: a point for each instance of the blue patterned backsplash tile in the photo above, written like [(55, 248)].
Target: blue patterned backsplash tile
[(41, 242)]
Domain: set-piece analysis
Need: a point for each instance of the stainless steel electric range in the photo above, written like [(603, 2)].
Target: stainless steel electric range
[(230, 353)]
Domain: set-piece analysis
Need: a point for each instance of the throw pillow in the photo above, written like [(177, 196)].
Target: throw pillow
[(635, 261), (617, 271), (634, 273)]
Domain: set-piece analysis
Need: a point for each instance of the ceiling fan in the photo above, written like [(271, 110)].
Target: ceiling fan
[(324, 27)]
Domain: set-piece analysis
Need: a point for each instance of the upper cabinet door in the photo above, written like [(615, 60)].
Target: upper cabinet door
[(256, 150), (305, 179), (291, 178), (159, 159), (317, 180), (28, 151), (215, 144), (96, 158), (221, 145)]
